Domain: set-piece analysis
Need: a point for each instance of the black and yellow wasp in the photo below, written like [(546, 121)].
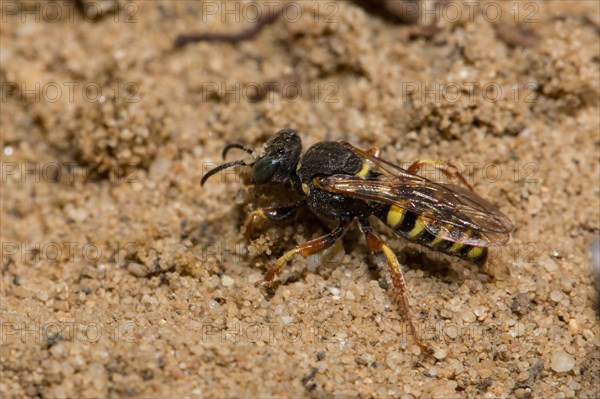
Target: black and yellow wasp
[(339, 182)]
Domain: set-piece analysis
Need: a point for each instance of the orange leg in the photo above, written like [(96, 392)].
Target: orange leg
[(249, 222), (375, 244), (448, 169), (308, 248)]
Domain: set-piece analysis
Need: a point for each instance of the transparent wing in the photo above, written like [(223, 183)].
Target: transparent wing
[(449, 209)]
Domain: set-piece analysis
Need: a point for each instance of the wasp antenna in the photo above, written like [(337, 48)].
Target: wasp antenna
[(218, 169), (235, 145)]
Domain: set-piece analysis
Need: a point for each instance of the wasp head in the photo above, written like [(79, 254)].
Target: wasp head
[(281, 154), (276, 162)]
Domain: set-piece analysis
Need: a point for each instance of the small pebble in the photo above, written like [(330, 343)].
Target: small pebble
[(393, 359), (573, 327), (520, 304), (159, 168), (562, 362), (149, 300), (457, 366), (214, 281), (451, 332), (468, 317), (535, 205), (21, 292), (57, 350), (445, 389), (176, 373), (137, 269), (556, 296), (480, 312), (523, 376), (549, 264), (62, 306), (567, 284), (227, 281), (89, 271), (440, 354), (41, 295)]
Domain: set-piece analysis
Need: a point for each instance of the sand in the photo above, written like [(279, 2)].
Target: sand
[(122, 277)]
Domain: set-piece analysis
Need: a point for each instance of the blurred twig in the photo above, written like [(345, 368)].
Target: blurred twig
[(397, 11), (402, 11), (515, 35), (249, 33)]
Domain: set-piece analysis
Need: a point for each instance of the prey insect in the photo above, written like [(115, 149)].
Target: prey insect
[(341, 183)]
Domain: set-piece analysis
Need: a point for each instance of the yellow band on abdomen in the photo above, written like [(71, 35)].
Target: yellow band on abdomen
[(395, 216)]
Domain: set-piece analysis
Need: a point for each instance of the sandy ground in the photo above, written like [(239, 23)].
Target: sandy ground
[(121, 276)]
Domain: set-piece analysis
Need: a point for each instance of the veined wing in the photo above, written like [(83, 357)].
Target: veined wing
[(447, 210)]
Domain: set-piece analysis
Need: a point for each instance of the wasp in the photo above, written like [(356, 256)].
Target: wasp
[(341, 183)]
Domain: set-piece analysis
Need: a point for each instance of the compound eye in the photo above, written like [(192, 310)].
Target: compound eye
[(281, 151), (264, 170)]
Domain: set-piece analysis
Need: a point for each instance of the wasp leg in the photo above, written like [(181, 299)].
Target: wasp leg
[(375, 151), (273, 214), (448, 169), (375, 244), (308, 248)]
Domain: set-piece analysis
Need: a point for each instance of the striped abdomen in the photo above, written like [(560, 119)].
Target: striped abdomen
[(410, 226)]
